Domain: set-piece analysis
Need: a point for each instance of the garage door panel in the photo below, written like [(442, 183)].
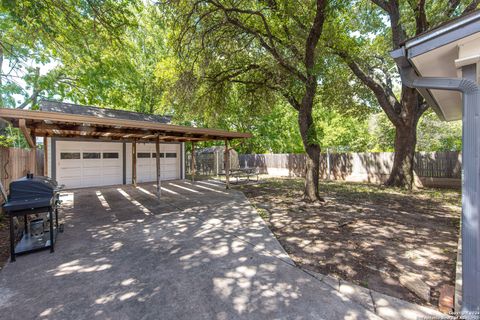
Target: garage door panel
[(70, 163), (69, 172), (147, 167), (92, 175), (94, 183), (168, 175), (85, 164), (110, 181), (71, 182), (88, 163), (112, 171), (92, 164), (92, 171), (118, 164)]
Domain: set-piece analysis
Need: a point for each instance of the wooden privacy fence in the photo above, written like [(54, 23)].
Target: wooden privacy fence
[(438, 165), (210, 161), (16, 163), (437, 169), (204, 164)]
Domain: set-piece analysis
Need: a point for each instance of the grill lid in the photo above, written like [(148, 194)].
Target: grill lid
[(35, 187)]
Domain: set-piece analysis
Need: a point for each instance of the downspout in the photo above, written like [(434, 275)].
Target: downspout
[(470, 176), (410, 79)]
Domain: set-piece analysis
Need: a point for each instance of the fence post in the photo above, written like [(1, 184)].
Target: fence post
[(227, 165), (192, 173), (157, 156), (134, 163), (217, 163), (328, 164)]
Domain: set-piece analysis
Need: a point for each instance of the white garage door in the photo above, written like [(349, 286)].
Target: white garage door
[(147, 165), (87, 164)]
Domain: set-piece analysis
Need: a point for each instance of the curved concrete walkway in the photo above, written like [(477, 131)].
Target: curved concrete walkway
[(200, 253)]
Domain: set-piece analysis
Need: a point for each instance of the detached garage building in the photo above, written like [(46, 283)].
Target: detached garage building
[(78, 163), (82, 162), (87, 146)]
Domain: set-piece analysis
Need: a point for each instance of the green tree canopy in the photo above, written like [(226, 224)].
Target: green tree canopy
[(217, 65)]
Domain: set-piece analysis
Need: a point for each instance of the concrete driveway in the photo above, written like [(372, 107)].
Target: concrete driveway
[(200, 253)]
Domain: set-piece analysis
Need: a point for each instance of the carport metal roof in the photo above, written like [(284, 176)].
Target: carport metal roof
[(57, 124)]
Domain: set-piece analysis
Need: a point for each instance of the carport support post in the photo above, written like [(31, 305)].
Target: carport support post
[(34, 156), (226, 160), (45, 156), (157, 149), (192, 163), (134, 163)]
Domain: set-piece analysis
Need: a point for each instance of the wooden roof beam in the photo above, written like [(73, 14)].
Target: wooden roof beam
[(129, 136), (128, 132), (26, 132)]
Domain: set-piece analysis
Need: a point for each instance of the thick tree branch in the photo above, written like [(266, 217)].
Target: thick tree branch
[(422, 108), (314, 35), (392, 7), (1, 71), (452, 6), (272, 39), (268, 44), (385, 97), (382, 4), (292, 100), (230, 74), (32, 99), (310, 47), (257, 84), (420, 17), (471, 7)]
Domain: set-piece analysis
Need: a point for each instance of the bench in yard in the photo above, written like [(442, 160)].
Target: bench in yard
[(245, 173)]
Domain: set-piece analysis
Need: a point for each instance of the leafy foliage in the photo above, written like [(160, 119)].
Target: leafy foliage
[(79, 39), (20, 57), (192, 60), (12, 137), (433, 134), (436, 135)]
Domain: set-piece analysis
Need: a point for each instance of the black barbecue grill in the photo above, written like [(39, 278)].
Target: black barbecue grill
[(33, 195)]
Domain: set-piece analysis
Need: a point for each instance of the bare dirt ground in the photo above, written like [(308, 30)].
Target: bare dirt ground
[(366, 234), (4, 241)]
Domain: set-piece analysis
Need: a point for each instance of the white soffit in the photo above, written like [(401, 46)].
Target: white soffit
[(443, 62)]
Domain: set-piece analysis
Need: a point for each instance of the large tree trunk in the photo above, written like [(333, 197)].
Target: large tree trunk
[(312, 149), (1, 73), (312, 173), (406, 140), (402, 170)]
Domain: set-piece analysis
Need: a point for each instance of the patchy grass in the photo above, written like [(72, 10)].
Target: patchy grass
[(263, 214), (364, 233), (364, 283)]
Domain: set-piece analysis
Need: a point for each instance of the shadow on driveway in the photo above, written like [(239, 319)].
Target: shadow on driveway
[(201, 252)]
